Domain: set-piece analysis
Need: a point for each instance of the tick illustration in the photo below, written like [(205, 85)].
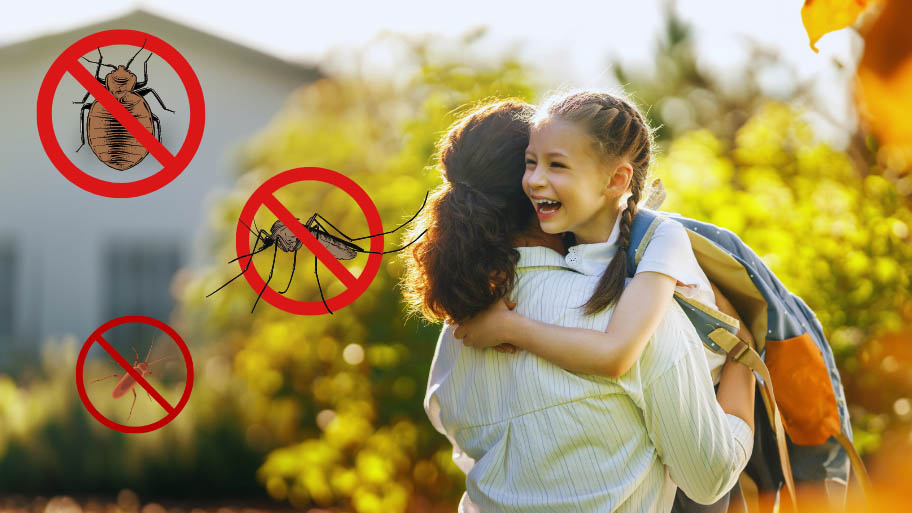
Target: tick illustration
[(112, 143), (127, 382), (281, 237)]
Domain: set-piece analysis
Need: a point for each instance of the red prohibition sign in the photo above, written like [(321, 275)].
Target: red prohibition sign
[(96, 336), (173, 165), (264, 196)]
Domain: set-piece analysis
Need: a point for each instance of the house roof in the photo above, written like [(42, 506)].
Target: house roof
[(139, 19)]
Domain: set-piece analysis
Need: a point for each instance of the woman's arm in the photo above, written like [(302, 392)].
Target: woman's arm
[(736, 385), (610, 353), (736, 391), (703, 445)]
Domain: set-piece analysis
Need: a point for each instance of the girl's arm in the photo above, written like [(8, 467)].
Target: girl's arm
[(610, 353)]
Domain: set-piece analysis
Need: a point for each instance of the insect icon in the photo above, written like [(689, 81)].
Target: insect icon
[(127, 382), (281, 237), (113, 144)]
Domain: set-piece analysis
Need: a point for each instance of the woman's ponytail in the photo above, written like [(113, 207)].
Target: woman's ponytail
[(466, 262)]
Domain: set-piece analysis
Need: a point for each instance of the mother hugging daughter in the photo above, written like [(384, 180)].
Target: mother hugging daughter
[(535, 211)]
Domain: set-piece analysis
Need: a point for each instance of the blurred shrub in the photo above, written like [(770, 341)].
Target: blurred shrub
[(50, 443), (340, 395)]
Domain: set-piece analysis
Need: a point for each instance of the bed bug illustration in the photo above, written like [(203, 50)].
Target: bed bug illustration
[(281, 237), (113, 144), (127, 383)]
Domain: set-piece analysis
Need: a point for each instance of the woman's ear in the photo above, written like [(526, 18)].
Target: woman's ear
[(620, 178)]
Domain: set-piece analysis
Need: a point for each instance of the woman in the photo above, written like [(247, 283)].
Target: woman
[(530, 435)]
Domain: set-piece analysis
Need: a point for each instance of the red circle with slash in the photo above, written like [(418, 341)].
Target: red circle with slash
[(96, 336), (173, 165), (264, 196)]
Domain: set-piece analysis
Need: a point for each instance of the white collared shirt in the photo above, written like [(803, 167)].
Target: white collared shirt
[(534, 437)]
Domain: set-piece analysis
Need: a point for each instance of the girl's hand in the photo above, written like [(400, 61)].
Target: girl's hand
[(487, 329)]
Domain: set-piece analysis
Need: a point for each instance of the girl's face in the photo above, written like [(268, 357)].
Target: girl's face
[(571, 187)]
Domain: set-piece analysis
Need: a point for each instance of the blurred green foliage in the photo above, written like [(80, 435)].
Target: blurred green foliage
[(50, 443), (340, 396), (327, 410)]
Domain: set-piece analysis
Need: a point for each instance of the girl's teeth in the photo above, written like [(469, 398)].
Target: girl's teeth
[(548, 207)]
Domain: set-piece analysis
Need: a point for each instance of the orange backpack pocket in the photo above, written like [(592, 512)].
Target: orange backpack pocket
[(803, 390)]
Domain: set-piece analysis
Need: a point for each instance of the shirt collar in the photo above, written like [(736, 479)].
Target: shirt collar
[(593, 259), (590, 259), (539, 256)]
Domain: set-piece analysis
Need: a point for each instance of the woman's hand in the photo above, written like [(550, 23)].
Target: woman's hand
[(488, 328)]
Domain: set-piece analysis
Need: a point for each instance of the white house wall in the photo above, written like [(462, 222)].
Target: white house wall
[(58, 231)]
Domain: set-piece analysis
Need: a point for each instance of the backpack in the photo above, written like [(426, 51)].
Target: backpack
[(806, 420)]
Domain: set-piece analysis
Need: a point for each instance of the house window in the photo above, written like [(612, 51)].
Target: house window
[(7, 288), (139, 279)]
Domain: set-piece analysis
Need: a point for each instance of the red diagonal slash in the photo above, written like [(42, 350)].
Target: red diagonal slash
[(309, 240), (137, 376), (130, 123)]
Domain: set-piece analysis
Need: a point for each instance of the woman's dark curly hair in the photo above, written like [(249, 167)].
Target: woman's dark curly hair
[(465, 262)]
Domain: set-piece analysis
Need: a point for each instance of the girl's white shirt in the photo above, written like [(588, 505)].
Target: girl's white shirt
[(669, 252)]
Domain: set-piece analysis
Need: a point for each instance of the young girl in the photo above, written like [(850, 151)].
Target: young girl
[(586, 151)]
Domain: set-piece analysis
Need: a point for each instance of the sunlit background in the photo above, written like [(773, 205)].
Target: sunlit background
[(804, 155)]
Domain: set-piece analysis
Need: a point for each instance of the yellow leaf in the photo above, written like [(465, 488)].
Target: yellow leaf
[(824, 16)]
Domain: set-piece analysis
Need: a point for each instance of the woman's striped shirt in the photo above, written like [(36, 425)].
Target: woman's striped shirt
[(533, 437)]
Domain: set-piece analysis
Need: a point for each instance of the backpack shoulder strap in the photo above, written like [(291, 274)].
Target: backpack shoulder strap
[(644, 226), (704, 318)]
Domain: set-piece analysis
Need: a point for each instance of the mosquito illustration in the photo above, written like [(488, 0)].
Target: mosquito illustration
[(127, 382), (281, 237)]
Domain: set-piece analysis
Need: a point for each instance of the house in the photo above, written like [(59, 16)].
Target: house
[(71, 260)]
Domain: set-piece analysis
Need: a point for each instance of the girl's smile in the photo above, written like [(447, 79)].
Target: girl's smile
[(544, 207)]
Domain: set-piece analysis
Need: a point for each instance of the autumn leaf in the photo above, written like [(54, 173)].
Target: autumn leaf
[(884, 83), (824, 16)]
